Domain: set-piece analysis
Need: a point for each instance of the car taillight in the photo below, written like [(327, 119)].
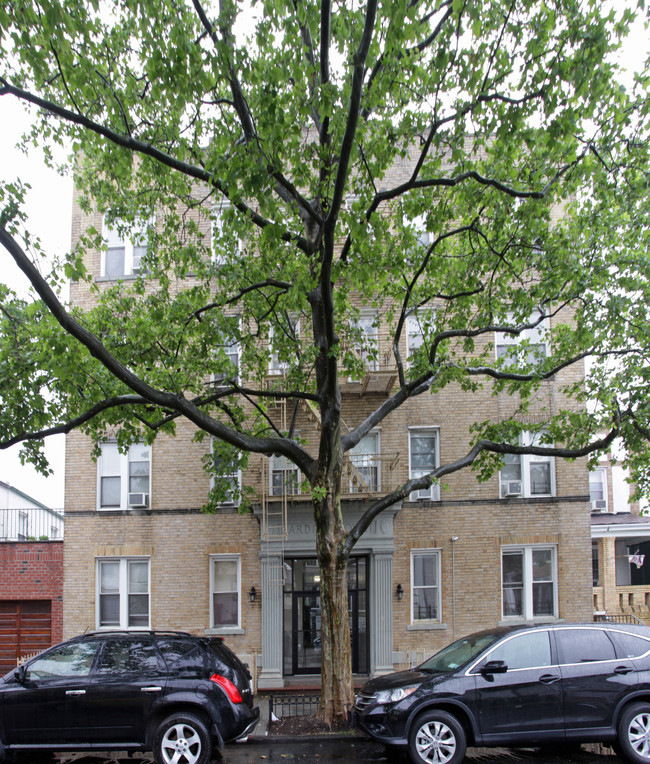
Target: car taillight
[(231, 691)]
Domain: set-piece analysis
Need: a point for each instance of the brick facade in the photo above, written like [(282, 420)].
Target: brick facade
[(179, 540)]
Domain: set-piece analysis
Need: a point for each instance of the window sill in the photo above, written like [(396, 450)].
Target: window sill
[(224, 630), (426, 626)]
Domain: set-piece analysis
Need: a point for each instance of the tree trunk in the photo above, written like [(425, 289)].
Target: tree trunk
[(336, 667)]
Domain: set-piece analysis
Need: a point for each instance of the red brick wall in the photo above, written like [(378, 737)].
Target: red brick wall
[(33, 570)]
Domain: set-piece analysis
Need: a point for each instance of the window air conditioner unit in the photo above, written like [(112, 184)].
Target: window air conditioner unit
[(600, 505), (513, 488), (138, 499)]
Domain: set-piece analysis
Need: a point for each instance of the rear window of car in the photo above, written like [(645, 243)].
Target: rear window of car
[(584, 645), (182, 653), (629, 645)]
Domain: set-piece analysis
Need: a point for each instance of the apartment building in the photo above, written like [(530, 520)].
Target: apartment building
[(465, 555)]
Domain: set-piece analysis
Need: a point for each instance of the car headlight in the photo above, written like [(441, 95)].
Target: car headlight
[(392, 696)]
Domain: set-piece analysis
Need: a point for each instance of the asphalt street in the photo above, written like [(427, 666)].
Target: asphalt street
[(353, 750)]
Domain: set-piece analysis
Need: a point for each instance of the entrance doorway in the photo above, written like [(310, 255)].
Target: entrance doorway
[(302, 616)]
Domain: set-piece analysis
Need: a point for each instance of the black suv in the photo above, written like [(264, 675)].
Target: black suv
[(518, 686), (168, 692)]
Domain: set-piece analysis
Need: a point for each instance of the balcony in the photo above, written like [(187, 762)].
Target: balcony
[(364, 476), (31, 524)]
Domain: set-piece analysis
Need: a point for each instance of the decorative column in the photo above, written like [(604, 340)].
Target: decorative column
[(381, 613), (271, 673)]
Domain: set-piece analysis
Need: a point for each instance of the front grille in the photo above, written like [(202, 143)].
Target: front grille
[(362, 701)]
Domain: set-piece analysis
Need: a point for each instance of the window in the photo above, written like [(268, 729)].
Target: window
[(424, 237), (527, 475), (367, 346), (418, 327), (529, 582), (228, 361), (595, 570), (423, 459), (288, 335), (365, 465), (123, 593), (226, 470), (584, 646), (130, 656), (124, 479), (524, 651), (598, 489), (532, 342), (225, 585), (425, 585), (284, 476), (67, 661), (123, 255), (224, 243)]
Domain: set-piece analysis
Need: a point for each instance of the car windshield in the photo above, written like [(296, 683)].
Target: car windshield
[(459, 653)]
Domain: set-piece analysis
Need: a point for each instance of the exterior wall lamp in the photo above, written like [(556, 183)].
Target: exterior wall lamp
[(252, 594), (399, 591)]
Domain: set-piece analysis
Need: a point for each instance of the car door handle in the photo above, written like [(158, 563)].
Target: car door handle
[(75, 692), (153, 688), (548, 678), (623, 670)]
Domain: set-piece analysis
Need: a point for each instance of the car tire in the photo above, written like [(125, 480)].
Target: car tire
[(634, 733), (183, 739), (437, 737)]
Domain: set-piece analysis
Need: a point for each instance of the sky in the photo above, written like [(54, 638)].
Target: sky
[(49, 206), (49, 211)]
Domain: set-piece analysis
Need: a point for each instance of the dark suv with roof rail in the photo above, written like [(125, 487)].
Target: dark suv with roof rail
[(172, 693), (518, 686)]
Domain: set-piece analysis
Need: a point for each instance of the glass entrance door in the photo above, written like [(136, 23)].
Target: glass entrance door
[(302, 616)]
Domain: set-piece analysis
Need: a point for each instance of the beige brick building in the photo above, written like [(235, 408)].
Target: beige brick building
[(140, 552)]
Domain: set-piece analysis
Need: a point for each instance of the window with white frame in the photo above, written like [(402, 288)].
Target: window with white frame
[(284, 476), (287, 335), (423, 459), (424, 237), (528, 475), (418, 326), (598, 489), (414, 334), (124, 478), (123, 593), (227, 472), (225, 244), (123, 254), (529, 581), (228, 360), (529, 346), (367, 346), (425, 585), (225, 591), (365, 465)]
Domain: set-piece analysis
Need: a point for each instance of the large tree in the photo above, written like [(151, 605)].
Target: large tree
[(289, 118)]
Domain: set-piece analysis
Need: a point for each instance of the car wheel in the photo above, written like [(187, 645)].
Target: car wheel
[(634, 733), (182, 739), (437, 737)]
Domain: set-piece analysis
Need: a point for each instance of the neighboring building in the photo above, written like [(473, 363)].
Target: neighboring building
[(31, 576), (140, 553), (620, 535)]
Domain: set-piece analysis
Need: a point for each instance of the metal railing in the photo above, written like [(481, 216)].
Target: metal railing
[(282, 705), (31, 524), (617, 618)]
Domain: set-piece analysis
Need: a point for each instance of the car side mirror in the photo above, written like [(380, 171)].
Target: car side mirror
[(21, 674), (494, 667)]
